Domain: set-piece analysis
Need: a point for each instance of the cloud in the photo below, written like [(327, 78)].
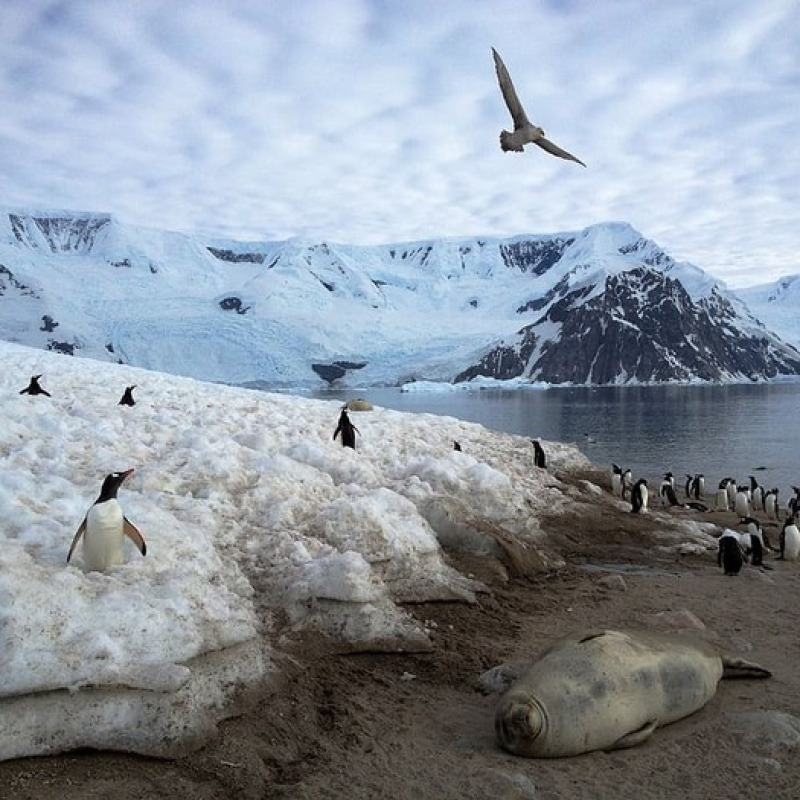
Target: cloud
[(373, 121)]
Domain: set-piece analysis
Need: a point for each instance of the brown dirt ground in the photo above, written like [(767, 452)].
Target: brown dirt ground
[(366, 725)]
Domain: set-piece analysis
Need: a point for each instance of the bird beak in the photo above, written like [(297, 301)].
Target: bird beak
[(127, 473)]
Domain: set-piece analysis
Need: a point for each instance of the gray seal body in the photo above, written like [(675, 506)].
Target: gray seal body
[(607, 690)]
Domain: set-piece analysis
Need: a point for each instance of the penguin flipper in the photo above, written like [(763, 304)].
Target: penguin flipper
[(81, 530), (132, 532)]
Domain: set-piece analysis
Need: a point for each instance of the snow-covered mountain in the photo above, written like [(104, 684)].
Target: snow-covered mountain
[(778, 305), (601, 305)]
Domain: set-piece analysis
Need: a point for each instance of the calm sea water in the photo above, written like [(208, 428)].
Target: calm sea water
[(736, 430)]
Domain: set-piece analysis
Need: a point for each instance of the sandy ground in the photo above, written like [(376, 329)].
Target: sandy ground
[(350, 725)]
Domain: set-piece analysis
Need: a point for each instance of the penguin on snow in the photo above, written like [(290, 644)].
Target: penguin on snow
[(34, 387), (456, 446), (127, 397), (105, 527), (346, 429)]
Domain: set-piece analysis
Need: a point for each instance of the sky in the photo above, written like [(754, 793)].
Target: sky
[(371, 121)]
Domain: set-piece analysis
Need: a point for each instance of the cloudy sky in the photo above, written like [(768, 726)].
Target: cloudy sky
[(367, 121)]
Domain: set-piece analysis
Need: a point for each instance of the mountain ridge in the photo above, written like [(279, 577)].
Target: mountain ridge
[(290, 313)]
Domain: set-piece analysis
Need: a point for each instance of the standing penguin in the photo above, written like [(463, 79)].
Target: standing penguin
[(456, 446), (667, 491), (347, 429), (539, 459), (127, 397), (627, 482), (741, 504), (639, 496), (34, 387), (756, 495), (732, 489), (730, 555), (756, 544), (721, 500), (794, 502), (771, 504), (616, 480), (789, 540), (105, 527)]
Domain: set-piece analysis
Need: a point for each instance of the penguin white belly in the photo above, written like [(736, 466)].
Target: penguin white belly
[(721, 500), (791, 543), (742, 505), (104, 538), (644, 498)]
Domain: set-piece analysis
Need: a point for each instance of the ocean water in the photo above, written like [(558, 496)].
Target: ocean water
[(720, 431)]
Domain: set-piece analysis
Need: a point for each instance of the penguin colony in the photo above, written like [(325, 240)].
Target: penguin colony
[(736, 548), (105, 527)]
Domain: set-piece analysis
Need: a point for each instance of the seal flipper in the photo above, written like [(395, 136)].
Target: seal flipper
[(81, 530), (636, 737), (132, 532), (739, 668)]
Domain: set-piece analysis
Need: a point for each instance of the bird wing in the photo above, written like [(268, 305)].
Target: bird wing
[(132, 532), (555, 150), (509, 93), (81, 530)]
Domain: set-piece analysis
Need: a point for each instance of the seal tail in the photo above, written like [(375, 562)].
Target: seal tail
[(739, 668)]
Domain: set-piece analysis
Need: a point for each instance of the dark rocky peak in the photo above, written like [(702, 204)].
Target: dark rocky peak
[(59, 234), (533, 255)]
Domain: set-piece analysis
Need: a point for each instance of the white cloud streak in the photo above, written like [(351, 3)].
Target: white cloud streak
[(375, 121)]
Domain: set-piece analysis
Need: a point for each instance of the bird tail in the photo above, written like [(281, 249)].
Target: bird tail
[(506, 144)]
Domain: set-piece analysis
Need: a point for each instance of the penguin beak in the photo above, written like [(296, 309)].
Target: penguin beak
[(126, 473)]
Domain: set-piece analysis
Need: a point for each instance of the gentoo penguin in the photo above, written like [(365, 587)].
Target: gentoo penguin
[(34, 388), (127, 397), (790, 540), (616, 480), (732, 490), (639, 496), (794, 502), (730, 555), (741, 504), (347, 429), (755, 546), (699, 486), (666, 491), (627, 483), (771, 504), (721, 500), (539, 459), (756, 495), (456, 446), (105, 527), (688, 485)]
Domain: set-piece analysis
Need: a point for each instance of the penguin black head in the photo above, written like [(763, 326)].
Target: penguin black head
[(111, 485)]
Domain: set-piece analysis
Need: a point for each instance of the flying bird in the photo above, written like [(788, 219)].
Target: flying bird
[(524, 132)]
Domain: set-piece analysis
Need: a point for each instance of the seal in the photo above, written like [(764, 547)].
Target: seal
[(607, 690)]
